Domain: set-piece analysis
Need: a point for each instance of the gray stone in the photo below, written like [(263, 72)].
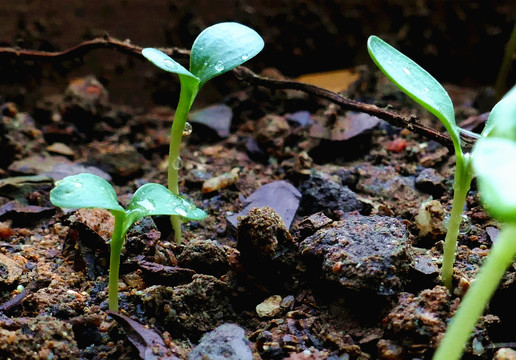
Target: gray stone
[(227, 341), (430, 182), (362, 253), (320, 194)]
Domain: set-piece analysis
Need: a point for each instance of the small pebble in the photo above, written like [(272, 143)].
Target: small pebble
[(505, 354), (270, 307), (220, 182)]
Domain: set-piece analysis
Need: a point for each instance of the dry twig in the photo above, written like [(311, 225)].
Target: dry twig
[(244, 74)]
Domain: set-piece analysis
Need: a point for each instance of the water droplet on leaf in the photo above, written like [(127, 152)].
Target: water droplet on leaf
[(219, 66), (169, 64), (146, 204), (181, 212), (187, 129), (177, 163), (245, 57)]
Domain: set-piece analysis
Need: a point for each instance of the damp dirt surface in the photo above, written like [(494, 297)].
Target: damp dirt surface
[(324, 232)]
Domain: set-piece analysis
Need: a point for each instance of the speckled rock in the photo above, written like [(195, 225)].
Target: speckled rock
[(397, 192), (191, 309), (430, 220), (267, 250), (10, 270), (226, 342), (430, 182), (270, 307), (271, 131), (205, 257), (361, 253), (42, 337), (122, 163), (505, 354), (320, 194), (423, 317)]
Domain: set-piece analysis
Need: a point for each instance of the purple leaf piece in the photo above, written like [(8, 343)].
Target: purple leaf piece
[(280, 195), (147, 341)]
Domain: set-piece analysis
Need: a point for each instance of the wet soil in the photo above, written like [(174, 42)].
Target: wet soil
[(323, 238)]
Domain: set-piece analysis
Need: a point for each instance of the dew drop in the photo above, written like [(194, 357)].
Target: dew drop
[(169, 64), (181, 212), (245, 57), (219, 66), (407, 71), (177, 163), (146, 204), (187, 129), (465, 224)]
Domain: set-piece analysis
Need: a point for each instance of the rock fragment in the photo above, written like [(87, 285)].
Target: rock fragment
[(361, 253), (226, 342), (321, 194), (430, 182), (270, 307)]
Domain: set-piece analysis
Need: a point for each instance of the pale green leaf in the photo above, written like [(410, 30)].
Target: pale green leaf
[(502, 119), (165, 62), (222, 47), (416, 82), (155, 199), (494, 162), (84, 191)]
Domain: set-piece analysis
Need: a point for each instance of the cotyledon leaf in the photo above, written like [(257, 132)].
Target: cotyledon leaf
[(165, 62), (155, 199), (222, 47), (84, 191), (416, 82), (494, 161)]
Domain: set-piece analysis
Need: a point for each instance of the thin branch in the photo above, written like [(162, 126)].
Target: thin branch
[(105, 42), (244, 74), (392, 118)]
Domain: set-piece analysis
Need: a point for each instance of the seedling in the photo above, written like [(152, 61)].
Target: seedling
[(91, 191), (494, 162), (216, 50), (428, 92)]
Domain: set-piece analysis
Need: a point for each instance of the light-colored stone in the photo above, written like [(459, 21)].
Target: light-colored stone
[(270, 307), (505, 354)]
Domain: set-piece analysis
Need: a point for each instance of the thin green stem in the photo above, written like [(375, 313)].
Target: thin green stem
[(186, 98), (476, 299), (117, 242), (462, 181)]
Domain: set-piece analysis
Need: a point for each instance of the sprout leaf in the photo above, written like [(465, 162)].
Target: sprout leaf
[(165, 62), (415, 82), (222, 47), (502, 119), (494, 161), (156, 199), (84, 191)]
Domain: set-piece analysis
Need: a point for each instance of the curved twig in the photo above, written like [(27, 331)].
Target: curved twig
[(244, 74)]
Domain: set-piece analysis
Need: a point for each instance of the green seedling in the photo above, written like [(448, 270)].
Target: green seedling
[(428, 92), (91, 191), (218, 49), (494, 163)]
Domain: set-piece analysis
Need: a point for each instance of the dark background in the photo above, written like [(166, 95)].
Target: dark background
[(459, 42)]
